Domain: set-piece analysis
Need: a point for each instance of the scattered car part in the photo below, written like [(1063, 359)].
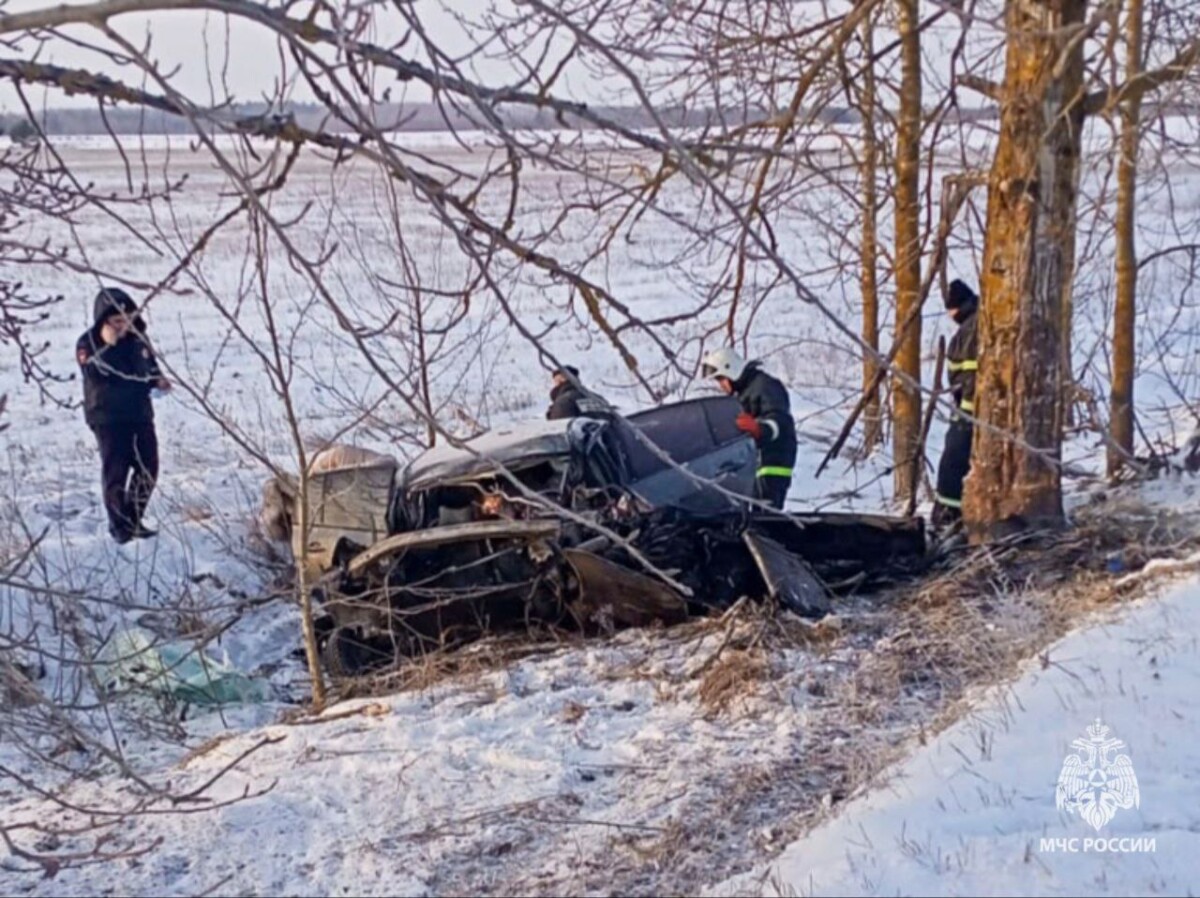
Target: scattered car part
[(618, 596), (789, 579)]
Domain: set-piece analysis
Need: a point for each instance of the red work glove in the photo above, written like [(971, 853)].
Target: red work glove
[(747, 423)]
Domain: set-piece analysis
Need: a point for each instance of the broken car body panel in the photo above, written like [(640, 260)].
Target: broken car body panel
[(789, 578), (455, 533), (610, 594), (718, 461)]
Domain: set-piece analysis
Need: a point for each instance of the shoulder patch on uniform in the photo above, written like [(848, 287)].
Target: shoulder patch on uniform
[(81, 355)]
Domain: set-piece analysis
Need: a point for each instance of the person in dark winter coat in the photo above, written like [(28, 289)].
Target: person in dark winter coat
[(565, 394), (119, 371), (569, 399), (961, 357), (766, 416)]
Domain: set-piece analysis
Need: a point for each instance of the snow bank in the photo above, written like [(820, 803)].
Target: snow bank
[(967, 814), (544, 777)]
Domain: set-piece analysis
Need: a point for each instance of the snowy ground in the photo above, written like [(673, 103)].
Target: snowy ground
[(607, 767), (968, 813), (592, 768), (545, 777)]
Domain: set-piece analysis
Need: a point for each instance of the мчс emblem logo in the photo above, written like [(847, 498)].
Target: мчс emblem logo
[(1097, 781)]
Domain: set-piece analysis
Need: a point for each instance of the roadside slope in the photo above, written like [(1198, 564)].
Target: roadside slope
[(966, 813)]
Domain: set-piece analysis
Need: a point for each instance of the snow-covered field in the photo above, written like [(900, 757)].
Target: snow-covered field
[(584, 768), (550, 776)]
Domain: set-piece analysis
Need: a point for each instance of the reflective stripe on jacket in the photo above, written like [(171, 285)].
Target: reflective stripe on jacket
[(962, 360)]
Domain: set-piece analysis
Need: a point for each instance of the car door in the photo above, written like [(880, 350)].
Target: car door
[(698, 435), (730, 464)]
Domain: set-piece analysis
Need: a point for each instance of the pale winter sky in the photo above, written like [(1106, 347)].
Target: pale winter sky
[(205, 46), (196, 43)]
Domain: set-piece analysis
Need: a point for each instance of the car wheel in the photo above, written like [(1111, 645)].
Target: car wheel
[(347, 654)]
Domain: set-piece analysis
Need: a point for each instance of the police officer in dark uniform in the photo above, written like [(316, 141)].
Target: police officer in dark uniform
[(119, 371), (963, 306), (766, 416)]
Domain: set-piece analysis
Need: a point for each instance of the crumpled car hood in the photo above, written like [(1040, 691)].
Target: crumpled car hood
[(515, 447)]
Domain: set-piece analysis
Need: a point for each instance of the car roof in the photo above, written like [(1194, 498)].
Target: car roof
[(515, 446), (698, 399)]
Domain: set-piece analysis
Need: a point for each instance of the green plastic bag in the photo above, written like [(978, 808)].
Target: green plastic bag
[(179, 670)]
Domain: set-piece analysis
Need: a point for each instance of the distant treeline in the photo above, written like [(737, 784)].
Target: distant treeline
[(406, 117)]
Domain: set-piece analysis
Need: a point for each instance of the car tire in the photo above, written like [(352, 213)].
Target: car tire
[(346, 655)]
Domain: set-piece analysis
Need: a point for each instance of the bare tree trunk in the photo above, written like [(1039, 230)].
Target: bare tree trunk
[(873, 413), (906, 411), (1066, 372), (311, 653), (279, 364), (1015, 479), (1125, 312)]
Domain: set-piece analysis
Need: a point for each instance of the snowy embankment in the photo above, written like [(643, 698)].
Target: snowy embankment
[(659, 761), (551, 773), (973, 811)]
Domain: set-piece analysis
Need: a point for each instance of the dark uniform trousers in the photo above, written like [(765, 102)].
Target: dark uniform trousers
[(128, 469), (955, 463), (953, 469), (773, 488)]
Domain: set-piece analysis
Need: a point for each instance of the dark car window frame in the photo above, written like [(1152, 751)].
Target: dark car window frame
[(642, 460), (721, 413)]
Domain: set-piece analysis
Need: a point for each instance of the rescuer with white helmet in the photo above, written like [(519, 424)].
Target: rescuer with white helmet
[(766, 416)]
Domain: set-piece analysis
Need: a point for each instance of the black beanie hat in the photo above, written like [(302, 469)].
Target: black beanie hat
[(567, 369), (960, 295)]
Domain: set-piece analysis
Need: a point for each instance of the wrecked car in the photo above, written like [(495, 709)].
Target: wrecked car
[(589, 524)]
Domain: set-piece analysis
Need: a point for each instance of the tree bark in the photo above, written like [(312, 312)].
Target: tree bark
[(906, 408), (1124, 354), (873, 413), (1066, 372), (1015, 480)]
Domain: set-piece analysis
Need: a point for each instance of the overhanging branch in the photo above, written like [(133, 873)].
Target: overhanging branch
[(989, 89), (1145, 82), (80, 81), (306, 31)]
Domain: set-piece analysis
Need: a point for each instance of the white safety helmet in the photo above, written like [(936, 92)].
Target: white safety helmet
[(723, 363)]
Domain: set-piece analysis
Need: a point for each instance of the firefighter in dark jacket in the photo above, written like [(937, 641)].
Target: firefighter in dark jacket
[(963, 305), (569, 399), (119, 371), (766, 416)]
